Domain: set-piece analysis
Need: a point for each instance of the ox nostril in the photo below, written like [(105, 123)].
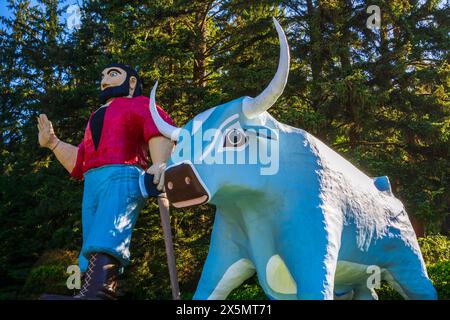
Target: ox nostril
[(170, 185), (187, 180)]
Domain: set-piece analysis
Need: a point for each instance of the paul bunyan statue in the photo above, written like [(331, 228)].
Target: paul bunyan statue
[(313, 227), (111, 159)]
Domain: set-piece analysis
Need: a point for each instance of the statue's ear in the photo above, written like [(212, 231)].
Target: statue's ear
[(133, 83)]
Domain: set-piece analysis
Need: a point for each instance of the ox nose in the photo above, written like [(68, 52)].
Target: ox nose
[(183, 186)]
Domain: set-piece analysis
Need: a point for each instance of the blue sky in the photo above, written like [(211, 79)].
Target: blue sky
[(5, 12)]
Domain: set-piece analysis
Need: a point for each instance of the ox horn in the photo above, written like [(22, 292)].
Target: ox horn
[(253, 107), (166, 129)]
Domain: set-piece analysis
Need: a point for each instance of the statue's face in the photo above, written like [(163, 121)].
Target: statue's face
[(112, 77), (116, 83)]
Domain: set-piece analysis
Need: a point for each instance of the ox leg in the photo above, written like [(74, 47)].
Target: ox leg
[(316, 280), (218, 288), (408, 276), (410, 283), (313, 270), (227, 265), (311, 254)]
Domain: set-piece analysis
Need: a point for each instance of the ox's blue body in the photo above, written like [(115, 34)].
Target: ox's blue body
[(312, 230)]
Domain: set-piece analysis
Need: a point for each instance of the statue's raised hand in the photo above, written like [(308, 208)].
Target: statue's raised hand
[(47, 136)]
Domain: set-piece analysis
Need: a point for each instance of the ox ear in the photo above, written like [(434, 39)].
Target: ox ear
[(253, 107), (165, 128)]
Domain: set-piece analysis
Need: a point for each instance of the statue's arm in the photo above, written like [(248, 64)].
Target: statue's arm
[(66, 155), (64, 152), (160, 149)]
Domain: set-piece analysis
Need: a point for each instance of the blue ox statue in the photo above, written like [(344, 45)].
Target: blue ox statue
[(312, 227)]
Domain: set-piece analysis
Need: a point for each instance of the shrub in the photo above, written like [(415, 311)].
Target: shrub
[(439, 274), (435, 248), (49, 274), (250, 290), (386, 292)]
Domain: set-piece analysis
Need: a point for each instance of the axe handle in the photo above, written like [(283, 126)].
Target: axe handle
[(163, 204)]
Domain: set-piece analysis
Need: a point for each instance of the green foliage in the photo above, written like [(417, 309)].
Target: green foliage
[(439, 274), (49, 274), (435, 248), (250, 290), (386, 292)]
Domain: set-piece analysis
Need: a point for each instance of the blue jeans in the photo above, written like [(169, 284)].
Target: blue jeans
[(112, 201)]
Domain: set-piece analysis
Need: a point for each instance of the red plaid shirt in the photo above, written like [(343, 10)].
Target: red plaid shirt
[(127, 128)]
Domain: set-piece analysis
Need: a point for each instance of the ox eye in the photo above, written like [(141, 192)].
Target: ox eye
[(235, 138)]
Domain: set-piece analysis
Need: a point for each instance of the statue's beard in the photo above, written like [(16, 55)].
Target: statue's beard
[(113, 92)]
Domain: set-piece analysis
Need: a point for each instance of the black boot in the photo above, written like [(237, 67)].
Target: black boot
[(100, 280)]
